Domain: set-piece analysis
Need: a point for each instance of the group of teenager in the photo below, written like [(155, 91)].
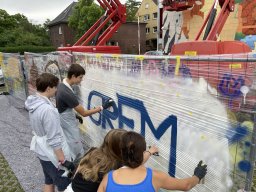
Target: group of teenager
[(117, 165)]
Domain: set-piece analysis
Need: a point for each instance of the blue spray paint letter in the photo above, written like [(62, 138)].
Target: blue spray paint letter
[(170, 121), (106, 115)]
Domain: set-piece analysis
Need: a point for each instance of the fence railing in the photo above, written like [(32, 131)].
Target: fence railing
[(193, 108)]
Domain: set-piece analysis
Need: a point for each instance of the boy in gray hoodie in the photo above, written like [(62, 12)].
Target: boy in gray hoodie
[(48, 141)]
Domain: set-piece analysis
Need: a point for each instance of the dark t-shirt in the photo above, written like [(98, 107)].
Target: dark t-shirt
[(65, 98), (79, 184)]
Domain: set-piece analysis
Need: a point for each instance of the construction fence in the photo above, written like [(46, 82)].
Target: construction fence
[(192, 107)]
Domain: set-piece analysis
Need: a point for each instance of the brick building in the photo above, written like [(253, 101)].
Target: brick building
[(60, 34), (126, 37), (147, 12)]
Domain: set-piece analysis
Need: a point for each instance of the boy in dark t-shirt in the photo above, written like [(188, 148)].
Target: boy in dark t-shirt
[(65, 94), (67, 103)]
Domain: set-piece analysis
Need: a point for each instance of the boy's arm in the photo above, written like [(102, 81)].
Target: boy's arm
[(81, 110), (60, 155), (52, 128), (106, 104)]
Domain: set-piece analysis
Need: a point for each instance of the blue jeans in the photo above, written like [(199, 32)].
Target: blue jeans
[(53, 176)]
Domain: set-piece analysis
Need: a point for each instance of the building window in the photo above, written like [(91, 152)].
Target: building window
[(154, 29), (147, 42), (146, 17), (155, 15), (142, 18), (60, 30), (146, 6), (113, 43), (147, 30)]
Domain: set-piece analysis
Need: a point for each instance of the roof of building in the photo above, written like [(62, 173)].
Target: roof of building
[(143, 3), (155, 1), (63, 17)]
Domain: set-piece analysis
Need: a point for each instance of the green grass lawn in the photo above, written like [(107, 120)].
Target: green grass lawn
[(2, 88), (8, 180)]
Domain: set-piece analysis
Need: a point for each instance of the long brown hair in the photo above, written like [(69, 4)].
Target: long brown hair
[(111, 144), (100, 161), (94, 165)]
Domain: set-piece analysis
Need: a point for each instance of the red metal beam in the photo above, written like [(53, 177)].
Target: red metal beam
[(102, 5), (108, 6), (79, 42), (105, 32), (113, 4), (181, 5), (118, 3), (114, 11), (98, 28), (109, 33), (227, 7), (205, 22)]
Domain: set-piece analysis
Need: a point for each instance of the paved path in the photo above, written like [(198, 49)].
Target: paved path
[(15, 137)]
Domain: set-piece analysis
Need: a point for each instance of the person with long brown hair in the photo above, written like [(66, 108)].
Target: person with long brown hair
[(134, 176), (99, 161)]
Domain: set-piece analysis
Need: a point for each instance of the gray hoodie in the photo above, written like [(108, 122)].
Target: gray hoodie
[(44, 121)]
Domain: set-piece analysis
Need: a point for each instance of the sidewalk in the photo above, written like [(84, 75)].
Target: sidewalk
[(15, 137)]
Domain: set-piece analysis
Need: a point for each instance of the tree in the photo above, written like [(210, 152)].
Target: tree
[(16, 30), (45, 25), (6, 22), (85, 14), (132, 7)]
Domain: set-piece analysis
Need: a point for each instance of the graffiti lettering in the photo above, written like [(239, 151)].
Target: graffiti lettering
[(136, 67), (230, 86), (107, 116), (169, 70)]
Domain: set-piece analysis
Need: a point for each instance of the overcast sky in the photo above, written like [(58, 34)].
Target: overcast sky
[(37, 11)]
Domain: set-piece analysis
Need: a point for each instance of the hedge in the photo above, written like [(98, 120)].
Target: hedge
[(27, 48)]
